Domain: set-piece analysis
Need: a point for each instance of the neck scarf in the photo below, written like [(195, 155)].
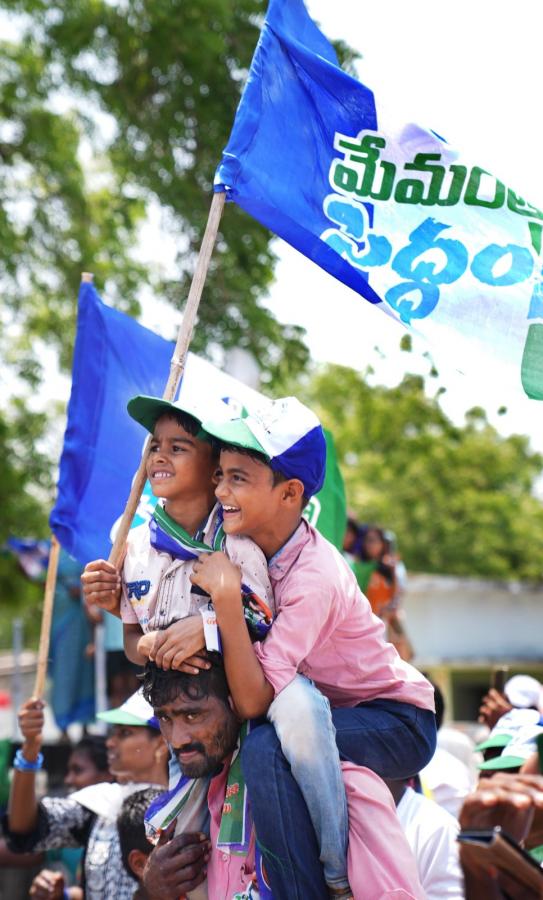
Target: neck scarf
[(168, 536), (187, 797)]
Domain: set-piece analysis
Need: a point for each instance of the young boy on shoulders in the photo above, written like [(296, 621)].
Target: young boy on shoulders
[(324, 635), (159, 606)]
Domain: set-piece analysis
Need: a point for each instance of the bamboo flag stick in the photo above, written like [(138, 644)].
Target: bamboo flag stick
[(47, 615), (177, 365)]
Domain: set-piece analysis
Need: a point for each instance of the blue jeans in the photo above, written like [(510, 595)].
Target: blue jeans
[(392, 738), (302, 720)]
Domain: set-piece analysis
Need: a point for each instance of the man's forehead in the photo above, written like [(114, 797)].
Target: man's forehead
[(182, 702)]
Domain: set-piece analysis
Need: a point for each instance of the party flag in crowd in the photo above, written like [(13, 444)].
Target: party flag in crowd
[(383, 205), (116, 358), (32, 556)]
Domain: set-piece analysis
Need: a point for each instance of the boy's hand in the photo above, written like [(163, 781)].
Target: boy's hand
[(101, 583), (180, 642), (219, 577), (31, 720)]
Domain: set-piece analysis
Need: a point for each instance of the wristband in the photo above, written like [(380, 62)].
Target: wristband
[(25, 765)]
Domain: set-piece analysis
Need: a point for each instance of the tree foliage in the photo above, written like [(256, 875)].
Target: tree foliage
[(110, 106), (459, 498), (167, 76), (25, 493)]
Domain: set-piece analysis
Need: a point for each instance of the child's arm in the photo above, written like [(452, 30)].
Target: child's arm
[(137, 645), (251, 691)]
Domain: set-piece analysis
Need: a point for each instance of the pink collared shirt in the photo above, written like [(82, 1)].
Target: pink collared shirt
[(325, 629), (380, 863)]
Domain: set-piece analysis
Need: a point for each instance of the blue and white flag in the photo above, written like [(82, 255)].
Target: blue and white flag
[(116, 358), (32, 556), (387, 207)]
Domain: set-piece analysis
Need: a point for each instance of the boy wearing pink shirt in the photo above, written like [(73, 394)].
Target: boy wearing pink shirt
[(324, 635)]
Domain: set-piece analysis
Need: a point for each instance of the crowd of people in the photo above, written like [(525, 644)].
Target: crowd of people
[(279, 745), (381, 575)]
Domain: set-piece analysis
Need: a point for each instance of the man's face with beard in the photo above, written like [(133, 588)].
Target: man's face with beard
[(202, 732)]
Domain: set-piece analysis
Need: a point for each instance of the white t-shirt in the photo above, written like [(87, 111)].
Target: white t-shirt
[(431, 833), (447, 781), (156, 589)]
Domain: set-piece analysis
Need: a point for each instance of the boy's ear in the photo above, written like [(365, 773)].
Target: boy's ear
[(293, 491), (136, 862)]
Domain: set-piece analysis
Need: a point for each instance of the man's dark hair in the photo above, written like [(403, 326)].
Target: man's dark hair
[(95, 748), (164, 685), (277, 477), (130, 824)]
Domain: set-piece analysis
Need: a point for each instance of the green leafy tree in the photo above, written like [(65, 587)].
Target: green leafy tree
[(52, 222), (25, 495), (109, 107), (167, 75), (460, 498)]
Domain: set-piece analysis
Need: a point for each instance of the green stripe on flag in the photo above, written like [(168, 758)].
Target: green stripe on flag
[(327, 511)]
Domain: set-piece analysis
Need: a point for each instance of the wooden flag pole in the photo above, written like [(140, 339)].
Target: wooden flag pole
[(177, 365), (47, 615)]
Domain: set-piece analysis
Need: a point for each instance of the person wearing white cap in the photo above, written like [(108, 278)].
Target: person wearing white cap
[(505, 731), (524, 692), (137, 755), (325, 636), (521, 746)]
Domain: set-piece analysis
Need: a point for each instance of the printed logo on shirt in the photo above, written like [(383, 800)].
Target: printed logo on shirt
[(137, 589)]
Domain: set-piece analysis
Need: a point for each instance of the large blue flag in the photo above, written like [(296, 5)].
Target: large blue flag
[(116, 358), (386, 206)]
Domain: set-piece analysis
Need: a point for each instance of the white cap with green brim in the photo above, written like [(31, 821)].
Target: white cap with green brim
[(523, 745), (146, 411), (286, 433), (134, 711), (507, 727)]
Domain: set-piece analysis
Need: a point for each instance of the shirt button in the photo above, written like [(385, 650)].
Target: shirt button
[(225, 857)]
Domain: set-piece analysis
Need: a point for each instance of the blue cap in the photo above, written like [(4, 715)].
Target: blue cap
[(287, 434)]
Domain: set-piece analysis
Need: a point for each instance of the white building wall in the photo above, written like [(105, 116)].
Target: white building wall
[(473, 620)]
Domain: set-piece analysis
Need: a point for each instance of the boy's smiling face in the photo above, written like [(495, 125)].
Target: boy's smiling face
[(246, 492), (179, 465), (252, 504)]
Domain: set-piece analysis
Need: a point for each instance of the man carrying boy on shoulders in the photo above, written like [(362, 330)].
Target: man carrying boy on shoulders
[(324, 635), (197, 719)]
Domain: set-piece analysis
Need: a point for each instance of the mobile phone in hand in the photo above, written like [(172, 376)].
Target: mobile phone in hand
[(500, 674)]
